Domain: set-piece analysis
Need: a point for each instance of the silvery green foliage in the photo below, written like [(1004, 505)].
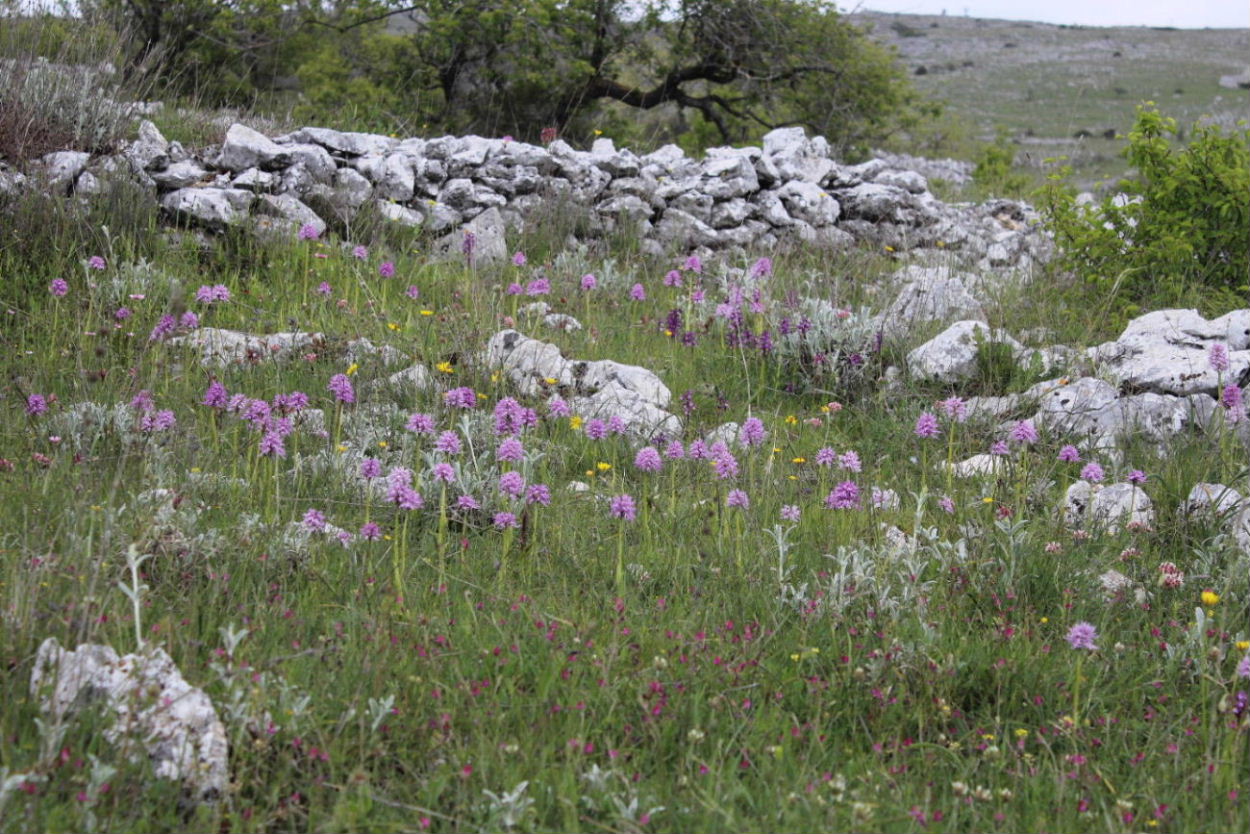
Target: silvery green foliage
[(368, 423), (833, 332), (84, 424), (80, 100), (609, 790), (509, 808), (892, 580), (379, 709), (114, 288), (10, 782), (174, 526), (629, 810), (98, 777), (578, 261), (297, 539)]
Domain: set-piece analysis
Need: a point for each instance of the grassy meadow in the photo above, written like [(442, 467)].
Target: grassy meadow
[(458, 608), (742, 646)]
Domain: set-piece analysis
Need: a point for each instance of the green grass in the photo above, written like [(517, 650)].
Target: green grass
[(740, 673)]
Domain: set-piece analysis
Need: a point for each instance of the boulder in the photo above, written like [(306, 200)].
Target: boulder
[(909, 181), (874, 202), (1213, 499), (1168, 351), (593, 389), (729, 176), (395, 178), (181, 174), (1107, 507), (930, 295), (681, 230), (256, 180), (1093, 412), (61, 169), (213, 208), (488, 241), (246, 148), (219, 347), (292, 214), (396, 213), (149, 152), (151, 706), (410, 380), (979, 466), (951, 356), (341, 143), (810, 203)]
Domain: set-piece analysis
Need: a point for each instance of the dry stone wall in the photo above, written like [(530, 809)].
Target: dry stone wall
[(789, 191)]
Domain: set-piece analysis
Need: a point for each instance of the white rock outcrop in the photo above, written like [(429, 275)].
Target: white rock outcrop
[(154, 711)]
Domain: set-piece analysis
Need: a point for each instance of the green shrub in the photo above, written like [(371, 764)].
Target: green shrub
[(994, 175), (1180, 231)]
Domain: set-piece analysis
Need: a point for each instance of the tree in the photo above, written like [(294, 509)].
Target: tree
[(736, 67), (221, 50), (744, 66)]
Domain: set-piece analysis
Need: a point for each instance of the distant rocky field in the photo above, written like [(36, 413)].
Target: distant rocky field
[(1064, 90)]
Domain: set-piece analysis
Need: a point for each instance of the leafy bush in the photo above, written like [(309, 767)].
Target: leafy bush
[(1177, 231), (994, 175)]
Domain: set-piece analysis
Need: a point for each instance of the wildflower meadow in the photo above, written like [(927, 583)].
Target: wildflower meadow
[(452, 605)]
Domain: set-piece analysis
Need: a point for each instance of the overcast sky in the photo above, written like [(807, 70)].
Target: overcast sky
[(1191, 14)]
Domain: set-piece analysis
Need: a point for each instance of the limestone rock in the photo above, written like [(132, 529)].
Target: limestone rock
[(684, 231), (930, 295), (153, 709), (181, 174), (219, 347), (292, 214), (489, 245), (246, 148), (951, 356), (1167, 351), (342, 143), (410, 380), (810, 203), (214, 208), (61, 169), (150, 152), (1107, 508), (1216, 499), (595, 389), (979, 466), (1092, 409)]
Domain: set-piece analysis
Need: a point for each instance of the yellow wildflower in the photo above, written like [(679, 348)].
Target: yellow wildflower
[(1210, 599), (445, 367)]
